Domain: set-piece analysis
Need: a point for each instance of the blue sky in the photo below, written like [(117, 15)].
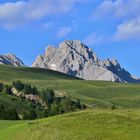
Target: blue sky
[(110, 27)]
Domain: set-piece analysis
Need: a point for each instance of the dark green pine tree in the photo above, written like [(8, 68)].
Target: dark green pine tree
[(7, 89), (18, 85), (12, 114), (1, 87), (32, 115), (27, 89), (1, 108), (79, 106), (35, 91)]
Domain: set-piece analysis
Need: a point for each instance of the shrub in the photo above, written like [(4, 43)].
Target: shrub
[(7, 89), (25, 115), (48, 97), (32, 115), (11, 114), (1, 108), (79, 106), (18, 85), (1, 87), (35, 91), (113, 107), (27, 89), (66, 104)]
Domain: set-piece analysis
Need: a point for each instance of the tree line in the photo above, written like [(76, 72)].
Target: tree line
[(51, 105)]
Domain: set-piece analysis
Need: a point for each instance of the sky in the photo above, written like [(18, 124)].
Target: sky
[(110, 27)]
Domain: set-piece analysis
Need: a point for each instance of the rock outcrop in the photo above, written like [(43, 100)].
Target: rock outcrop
[(75, 58), (10, 59)]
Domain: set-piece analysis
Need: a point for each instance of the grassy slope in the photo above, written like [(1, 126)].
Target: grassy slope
[(15, 102), (8, 129), (10, 74), (101, 93), (87, 125)]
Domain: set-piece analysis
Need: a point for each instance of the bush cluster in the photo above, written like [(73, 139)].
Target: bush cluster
[(26, 88), (8, 114), (5, 89), (59, 105), (51, 105)]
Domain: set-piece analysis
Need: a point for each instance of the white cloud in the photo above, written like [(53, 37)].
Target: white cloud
[(94, 38), (9, 13), (14, 14), (48, 25), (118, 9), (128, 30), (126, 12), (64, 31)]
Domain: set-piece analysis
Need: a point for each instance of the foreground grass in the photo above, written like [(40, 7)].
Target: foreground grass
[(8, 129), (87, 125)]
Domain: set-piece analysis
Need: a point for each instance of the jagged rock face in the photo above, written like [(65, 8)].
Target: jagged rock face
[(10, 59), (74, 58)]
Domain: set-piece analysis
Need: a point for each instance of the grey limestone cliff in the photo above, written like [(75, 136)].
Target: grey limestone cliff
[(75, 58), (10, 59)]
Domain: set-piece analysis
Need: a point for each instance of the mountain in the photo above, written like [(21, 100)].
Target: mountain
[(75, 58), (10, 59)]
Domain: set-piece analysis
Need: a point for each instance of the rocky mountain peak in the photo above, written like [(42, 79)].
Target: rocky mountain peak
[(72, 43), (73, 48), (50, 50), (115, 62), (10, 59), (75, 45), (109, 62), (75, 58)]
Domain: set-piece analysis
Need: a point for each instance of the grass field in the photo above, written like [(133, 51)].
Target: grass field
[(103, 94), (94, 124)]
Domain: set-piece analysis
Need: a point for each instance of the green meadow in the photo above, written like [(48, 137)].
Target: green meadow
[(97, 123), (102, 94)]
